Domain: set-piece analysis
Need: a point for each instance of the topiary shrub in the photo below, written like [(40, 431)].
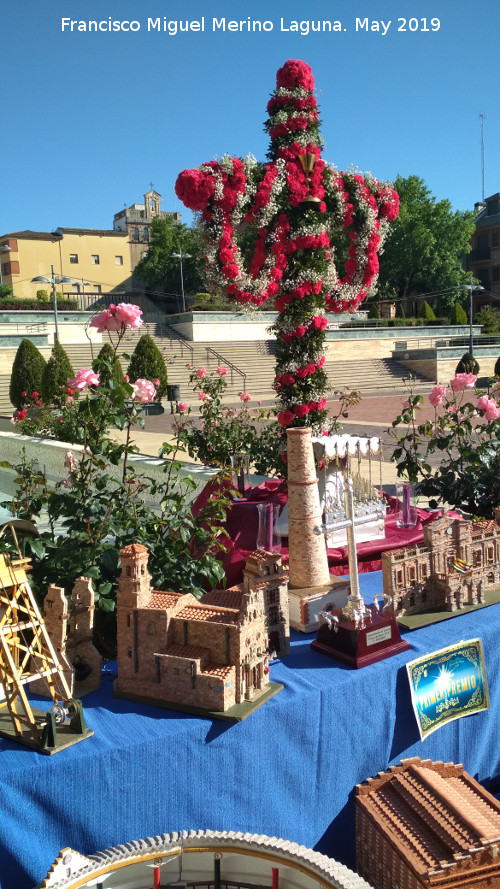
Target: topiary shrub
[(400, 312), (497, 367), (148, 363), (457, 314), (27, 371), (467, 365), (426, 312), (373, 313), (55, 374), (101, 365), (42, 295)]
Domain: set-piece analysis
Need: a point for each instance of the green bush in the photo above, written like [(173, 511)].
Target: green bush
[(400, 312), (107, 365), (497, 367), (457, 314), (55, 374), (43, 296), (467, 365), (148, 363), (5, 291), (373, 313), (426, 312), (27, 371)]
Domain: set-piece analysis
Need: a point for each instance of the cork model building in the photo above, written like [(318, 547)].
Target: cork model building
[(457, 562), (177, 651), (424, 824)]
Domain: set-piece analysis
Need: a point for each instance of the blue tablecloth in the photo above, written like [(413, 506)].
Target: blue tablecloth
[(288, 770)]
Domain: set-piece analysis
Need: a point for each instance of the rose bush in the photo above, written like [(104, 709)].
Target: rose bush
[(465, 435)]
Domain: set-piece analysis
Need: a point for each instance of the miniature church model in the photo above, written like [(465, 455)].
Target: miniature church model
[(264, 577), (455, 565), (423, 824), (176, 651)]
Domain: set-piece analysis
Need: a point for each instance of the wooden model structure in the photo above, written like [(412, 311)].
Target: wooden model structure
[(178, 652), (423, 824), (265, 576), (27, 655), (455, 565)]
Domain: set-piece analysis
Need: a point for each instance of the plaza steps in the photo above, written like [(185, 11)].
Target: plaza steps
[(250, 367)]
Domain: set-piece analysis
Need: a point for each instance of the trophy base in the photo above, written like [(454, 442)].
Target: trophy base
[(360, 646)]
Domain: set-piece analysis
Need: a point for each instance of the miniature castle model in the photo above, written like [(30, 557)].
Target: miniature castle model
[(177, 651), (264, 576), (457, 562), (424, 824), (69, 626)]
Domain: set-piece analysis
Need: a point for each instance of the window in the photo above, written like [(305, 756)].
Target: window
[(94, 259), (118, 260), (412, 576), (96, 288), (399, 577), (145, 234), (134, 233), (73, 258)]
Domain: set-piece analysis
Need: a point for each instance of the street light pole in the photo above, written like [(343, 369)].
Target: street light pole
[(180, 256), (42, 279), (472, 288)]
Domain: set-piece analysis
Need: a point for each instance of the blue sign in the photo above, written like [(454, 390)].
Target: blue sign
[(448, 684)]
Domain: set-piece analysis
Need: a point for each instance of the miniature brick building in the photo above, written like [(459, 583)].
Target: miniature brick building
[(265, 576), (69, 627), (175, 650), (424, 824), (454, 566)]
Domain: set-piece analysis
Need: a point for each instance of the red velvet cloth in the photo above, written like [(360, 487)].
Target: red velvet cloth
[(243, 522)]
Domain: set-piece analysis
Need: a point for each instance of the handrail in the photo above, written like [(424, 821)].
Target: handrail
[(174, 335), (221, 358), (440, 342)]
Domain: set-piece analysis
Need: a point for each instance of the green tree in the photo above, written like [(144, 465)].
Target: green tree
[(160, 269), (373, 311), (148, 363), (6, 292), (27, 371), (400, 312), (108, 365), (425, 311), (458, 314), (422, 251), (489, 319), (55, 374), (467, 365)]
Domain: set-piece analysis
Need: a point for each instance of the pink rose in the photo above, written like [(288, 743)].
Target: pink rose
[(181, 407), (437, 394), (83, 379), (143, 391), (129, 315), (201, 372), (244, 396), (463, 381), (222, 371), (69, 461), (489, 406), (285, 418)]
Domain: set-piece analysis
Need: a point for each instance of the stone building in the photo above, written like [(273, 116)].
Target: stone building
[(264, 576), (176, 650), (484, 259), (424, 824), (455, 565)]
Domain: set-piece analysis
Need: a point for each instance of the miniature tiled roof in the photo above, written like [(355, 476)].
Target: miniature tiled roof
[(208, 614), (434, 812), (133, 549), (160, 599), (480, 528), (230, 598), (190, 652), (217, 670)]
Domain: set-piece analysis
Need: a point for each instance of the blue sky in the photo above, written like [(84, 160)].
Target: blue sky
[(89, 120)]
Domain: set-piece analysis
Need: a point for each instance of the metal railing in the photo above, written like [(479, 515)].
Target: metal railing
[(444, 342), (232, 367), (173, 336)]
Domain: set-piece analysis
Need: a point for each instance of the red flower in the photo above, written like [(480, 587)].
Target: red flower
[(301, 410), (295, 73), (285, 418)]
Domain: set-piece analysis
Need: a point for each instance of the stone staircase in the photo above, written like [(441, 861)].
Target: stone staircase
[(250, 367)]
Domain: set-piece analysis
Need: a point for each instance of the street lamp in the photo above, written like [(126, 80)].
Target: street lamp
[(3, 249), (472, 288), (42, 279), (180, 256)]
